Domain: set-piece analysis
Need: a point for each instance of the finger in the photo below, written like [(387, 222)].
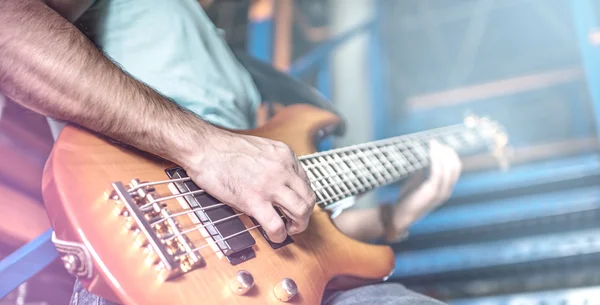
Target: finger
[(436, 175), (296, 166), (297, 212), (446, 182), (304, 190), (427, 190), (436, 167), (455, 165), (302, 172), (270, 221), (415, 181)]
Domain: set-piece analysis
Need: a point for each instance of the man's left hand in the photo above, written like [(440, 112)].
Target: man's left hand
[(423, 193)]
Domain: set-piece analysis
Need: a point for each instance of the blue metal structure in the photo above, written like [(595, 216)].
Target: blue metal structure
[(26, 262), (501, 211), (497, 253), (537, 217), (260, 39)]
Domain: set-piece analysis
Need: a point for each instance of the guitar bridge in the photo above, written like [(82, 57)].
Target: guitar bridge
[(140, 206)]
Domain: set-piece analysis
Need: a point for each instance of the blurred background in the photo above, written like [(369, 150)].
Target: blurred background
[(528, 235)]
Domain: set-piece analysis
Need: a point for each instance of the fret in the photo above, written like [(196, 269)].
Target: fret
[(406, 159), (366, 161), (356, 169), (341, 176), (395, 153), (323, 177), (353, 183), (380, 166), (314, 182), (409, 156), (391, 158), (337, 192), (323, 186), (322, 174), (349, 160), (332, 174), (420, 152), (386, 161)]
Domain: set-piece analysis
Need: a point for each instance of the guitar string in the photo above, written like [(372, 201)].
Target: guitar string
[(214, 242), (156, 200), (152, 183), (318, 165), (341, 181), (209, 242), (193, 210), (425, 135), (201, 225), (344, 181), (430, 133), (199, 208)]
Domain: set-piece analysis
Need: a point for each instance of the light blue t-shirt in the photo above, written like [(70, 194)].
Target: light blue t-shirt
[(174, 47)]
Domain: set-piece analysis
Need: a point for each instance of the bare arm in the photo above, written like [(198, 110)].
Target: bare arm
[(49, 66)]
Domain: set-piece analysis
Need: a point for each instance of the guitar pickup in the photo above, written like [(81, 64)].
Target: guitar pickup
[(288, 240), (236, 246)]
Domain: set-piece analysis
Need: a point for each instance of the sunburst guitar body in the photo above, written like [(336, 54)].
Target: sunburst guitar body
[(123, 242)]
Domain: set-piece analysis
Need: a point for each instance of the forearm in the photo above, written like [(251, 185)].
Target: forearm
[(49, 66), (360, 224), (367, 224)]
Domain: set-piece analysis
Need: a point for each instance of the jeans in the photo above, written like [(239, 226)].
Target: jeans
[(380, 294)]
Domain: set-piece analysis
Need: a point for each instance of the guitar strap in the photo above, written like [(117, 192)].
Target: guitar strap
[(276, 86)]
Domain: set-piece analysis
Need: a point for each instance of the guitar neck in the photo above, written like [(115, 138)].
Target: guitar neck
[(350, 171)]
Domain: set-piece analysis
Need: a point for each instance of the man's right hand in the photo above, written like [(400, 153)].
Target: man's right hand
[(253, 175), (71, 80)]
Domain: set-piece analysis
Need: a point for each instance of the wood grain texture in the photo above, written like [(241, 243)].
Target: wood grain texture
[(78, 175)]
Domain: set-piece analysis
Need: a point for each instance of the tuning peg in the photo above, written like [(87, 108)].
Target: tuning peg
[(501, 151), (471, 119)]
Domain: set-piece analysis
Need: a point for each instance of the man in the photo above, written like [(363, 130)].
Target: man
[(49, 66)]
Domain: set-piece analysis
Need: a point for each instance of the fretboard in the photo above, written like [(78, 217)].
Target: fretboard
[(353, 170)]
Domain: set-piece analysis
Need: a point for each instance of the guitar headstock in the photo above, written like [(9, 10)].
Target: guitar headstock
[(494, 133)]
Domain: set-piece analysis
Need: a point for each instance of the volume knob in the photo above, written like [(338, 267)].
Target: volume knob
[(285, 290), (241, 283)]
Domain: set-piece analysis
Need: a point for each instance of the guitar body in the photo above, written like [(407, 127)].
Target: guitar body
[(76, 184)]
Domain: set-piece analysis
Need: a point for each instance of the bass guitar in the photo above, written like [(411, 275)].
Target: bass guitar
[(137, 230)]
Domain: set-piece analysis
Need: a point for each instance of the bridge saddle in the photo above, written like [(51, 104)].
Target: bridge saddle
[(159, 236)]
